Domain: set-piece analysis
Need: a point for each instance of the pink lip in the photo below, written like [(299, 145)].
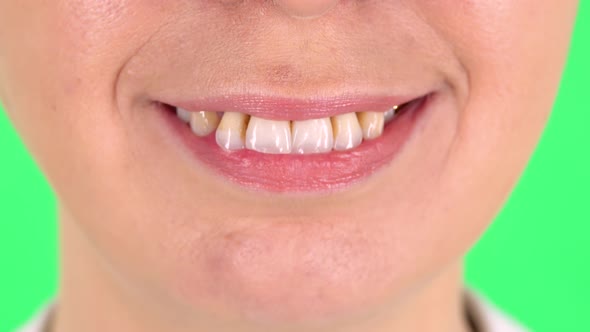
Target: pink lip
[(293, 109), (301, 173)]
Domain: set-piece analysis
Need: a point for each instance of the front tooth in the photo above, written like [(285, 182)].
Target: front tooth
[(183, 115), (371, 123), (312, 136), (204, 123), (268, 136), (231, 133), (347, 131)]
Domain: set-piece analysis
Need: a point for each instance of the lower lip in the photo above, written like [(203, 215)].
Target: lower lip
[(326, 172)]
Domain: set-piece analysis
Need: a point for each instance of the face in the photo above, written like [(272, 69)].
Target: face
[(281, 228)]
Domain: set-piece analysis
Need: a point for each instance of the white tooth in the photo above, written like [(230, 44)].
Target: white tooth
[(371, 123), (347, 131), (268, 136), (231, 133), (183, 115), (312, 136), (204, 123)]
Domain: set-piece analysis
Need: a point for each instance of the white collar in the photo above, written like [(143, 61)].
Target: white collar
[(486, 316), (40, 320)]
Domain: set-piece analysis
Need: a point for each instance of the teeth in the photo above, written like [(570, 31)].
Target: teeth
[(268, 136), (312, 136), (184, 115), (231, 133), (204, 123), (371, 123), (389, 115), (347, 131), (236, 131)]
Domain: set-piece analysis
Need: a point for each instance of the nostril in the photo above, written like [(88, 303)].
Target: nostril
[(306, 8)]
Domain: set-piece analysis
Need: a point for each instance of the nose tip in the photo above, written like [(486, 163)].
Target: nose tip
[(306, 8)]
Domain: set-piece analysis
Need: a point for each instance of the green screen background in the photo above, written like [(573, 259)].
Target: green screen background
[(534, 261)]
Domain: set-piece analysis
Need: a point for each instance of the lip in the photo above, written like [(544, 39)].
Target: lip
[(291, 108), (326, 172)]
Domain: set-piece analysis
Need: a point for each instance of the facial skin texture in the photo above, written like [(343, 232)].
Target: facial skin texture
[(153, 241)]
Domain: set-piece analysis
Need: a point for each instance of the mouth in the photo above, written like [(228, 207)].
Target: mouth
[(293, 145)]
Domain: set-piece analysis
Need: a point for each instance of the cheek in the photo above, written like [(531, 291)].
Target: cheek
[(513, 52), (58, 75), (57, 82)]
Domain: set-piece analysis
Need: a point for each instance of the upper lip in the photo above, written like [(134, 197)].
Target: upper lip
[(286, 108)]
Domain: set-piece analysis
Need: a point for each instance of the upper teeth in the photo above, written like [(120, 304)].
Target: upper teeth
[(348, 133), (269, 136), (372, 124), (231, 133), (236, 131), (389, 114), (204, 123)]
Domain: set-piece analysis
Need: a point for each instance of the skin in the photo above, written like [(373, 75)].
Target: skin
[(152, 242)]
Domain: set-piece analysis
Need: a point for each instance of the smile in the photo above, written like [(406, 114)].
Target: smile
[(237, 131), (284, 145)]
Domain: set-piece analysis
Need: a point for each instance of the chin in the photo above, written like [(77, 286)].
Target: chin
[(285, 274)]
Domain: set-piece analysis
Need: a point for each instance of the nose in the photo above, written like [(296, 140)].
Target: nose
[(306, 8)]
